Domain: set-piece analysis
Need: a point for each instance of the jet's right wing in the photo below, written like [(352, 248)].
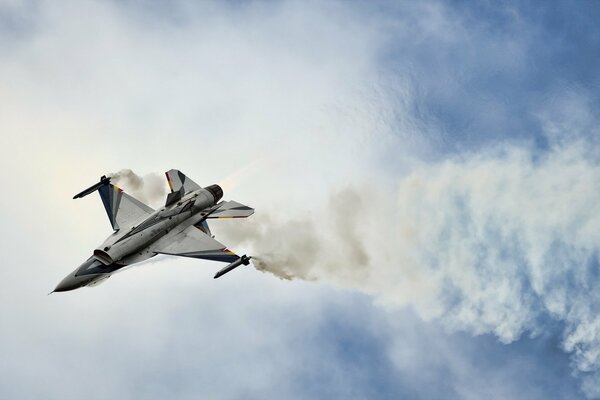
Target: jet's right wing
[(192, 242)]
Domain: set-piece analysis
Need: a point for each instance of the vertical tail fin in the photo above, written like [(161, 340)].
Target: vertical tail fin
[(178, 180)]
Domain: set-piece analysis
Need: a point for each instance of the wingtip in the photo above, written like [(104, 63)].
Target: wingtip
[(104, 180)]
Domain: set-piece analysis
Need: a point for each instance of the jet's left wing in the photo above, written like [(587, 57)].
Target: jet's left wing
[(192, 242), (122, 209)]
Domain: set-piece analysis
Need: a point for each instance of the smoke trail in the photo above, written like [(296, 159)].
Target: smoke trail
[(150, 188), (504, 242)]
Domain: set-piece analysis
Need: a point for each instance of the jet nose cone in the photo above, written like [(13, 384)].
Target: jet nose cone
[(86, 274), (72, 282)]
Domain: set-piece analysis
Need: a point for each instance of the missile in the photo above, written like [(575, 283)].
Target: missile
[(242, 260), (103, 181)]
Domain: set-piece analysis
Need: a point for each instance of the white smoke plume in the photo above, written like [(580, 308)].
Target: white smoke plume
[(150, 189), (505, 242)]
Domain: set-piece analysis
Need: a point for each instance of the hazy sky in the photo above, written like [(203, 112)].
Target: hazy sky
[(428, 172)]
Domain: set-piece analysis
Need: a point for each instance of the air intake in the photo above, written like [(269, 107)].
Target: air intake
[(103, 257)]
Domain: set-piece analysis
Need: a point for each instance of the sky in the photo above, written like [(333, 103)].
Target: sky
[(425, 176)]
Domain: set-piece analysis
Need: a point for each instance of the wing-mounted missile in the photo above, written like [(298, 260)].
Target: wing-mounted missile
[(242, 260), (103, 181)]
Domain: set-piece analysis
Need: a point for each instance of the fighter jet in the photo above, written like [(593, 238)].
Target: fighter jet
[(179, 228)]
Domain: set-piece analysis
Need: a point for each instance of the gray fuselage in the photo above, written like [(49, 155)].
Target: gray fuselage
[(130, 245)]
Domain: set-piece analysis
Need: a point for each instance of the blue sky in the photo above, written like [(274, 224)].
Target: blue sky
[(426, 171), (488, 74)]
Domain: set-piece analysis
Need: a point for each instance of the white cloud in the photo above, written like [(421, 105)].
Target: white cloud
[(485, 242)]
